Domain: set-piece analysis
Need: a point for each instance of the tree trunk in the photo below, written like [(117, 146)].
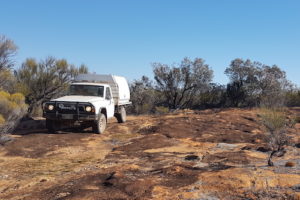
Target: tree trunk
[(270, 163)]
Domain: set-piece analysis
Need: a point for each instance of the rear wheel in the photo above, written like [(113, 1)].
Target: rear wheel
[(100, 124), (121, 116)]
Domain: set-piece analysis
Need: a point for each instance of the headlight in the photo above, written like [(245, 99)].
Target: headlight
[(50, 107), (88, 108)]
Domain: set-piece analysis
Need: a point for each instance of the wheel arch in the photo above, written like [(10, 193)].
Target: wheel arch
[(103, 111)]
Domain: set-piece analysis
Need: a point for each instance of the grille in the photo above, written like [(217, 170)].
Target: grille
[(69, 108)]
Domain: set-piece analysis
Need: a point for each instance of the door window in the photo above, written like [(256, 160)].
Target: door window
[(107, 94)]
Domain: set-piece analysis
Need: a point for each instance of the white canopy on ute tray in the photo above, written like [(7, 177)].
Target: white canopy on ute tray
[(118, 84)]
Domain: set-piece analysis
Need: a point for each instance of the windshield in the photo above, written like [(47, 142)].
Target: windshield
[(86, 90)]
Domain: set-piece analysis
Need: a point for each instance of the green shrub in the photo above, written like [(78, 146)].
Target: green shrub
[(2, 120), (18, 98), (161, 110), (4, 95)]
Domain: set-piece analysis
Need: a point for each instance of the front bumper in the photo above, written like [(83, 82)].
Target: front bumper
[(71, 117), (68, 111)]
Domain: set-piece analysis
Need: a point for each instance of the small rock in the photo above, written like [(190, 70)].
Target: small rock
[(62, 194), (3, 176), (263, 149), (255, 131), (246, 148), (249, 118), (257, 141), (107, 184), (4, 139), (290, 164), (191, 157), (226, 146), (296, 188), (201, 165)]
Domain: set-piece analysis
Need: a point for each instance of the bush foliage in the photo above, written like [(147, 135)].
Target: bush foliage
[(188, 85), (276, 122), (12, 109), (161, 110), (180, 84), (293, 98), (44, 80)]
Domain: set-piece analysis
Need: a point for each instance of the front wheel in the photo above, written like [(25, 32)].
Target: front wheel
[(100, 124), (121, 116)]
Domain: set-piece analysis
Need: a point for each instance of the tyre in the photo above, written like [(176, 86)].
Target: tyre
[(100, 124), (121, 116)]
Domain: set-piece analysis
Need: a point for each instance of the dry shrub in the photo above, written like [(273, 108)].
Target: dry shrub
[(7, 80), (276, 122), (148, 129), (273, 118), (297, 119), (12, 109)]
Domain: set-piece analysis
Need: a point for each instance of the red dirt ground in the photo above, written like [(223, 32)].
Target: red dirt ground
[(211, 154)]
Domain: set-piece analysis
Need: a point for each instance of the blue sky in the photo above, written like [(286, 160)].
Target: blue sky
[(124, 37)]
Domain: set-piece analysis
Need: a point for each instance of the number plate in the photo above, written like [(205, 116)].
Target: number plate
[(67, 116)]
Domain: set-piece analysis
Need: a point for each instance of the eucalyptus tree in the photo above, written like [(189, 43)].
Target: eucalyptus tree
[(180, 83), (49, 78)]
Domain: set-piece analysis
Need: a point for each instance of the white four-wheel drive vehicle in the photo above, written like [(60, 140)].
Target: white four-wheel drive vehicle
[(91, 101)]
